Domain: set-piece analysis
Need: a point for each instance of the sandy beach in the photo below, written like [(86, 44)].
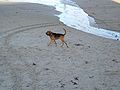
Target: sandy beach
[(27, 63), (105, 12)]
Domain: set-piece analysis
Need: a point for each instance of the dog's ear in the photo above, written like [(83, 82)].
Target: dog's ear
[(49, 33)]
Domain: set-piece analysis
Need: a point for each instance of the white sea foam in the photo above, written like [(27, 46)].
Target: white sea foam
[(72, 15)]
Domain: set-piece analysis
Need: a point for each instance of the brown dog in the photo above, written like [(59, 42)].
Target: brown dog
[(55, 36)]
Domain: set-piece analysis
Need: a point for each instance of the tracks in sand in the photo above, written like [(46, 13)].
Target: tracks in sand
[(9, 33)]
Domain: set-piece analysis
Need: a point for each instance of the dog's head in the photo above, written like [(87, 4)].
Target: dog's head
[(48, 33)]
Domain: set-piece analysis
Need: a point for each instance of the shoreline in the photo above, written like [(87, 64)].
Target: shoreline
[(105, 12), (27, 63), (73, 16)]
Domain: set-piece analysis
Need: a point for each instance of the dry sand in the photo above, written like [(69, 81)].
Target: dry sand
[(105, 12), (27, 63)]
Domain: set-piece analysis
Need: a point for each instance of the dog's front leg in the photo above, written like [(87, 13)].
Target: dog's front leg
[(50, 42)]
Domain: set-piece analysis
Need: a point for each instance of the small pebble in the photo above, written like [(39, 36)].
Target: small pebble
[(88, 46), (74, 83), (76, 78), (115, 60), (47, 69), (91, 76), (34, 64), (86, 62)]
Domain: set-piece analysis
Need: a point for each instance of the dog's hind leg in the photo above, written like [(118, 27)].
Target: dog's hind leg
[(62, 44), (66, 44), (55, 42), (63, 41)]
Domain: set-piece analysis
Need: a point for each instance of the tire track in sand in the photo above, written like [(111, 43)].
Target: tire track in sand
[(8, 34)]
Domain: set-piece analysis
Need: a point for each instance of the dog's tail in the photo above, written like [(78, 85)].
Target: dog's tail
[(65, 31)]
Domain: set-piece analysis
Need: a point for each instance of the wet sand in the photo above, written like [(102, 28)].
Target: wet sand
[(27, 63), (105, 12)]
